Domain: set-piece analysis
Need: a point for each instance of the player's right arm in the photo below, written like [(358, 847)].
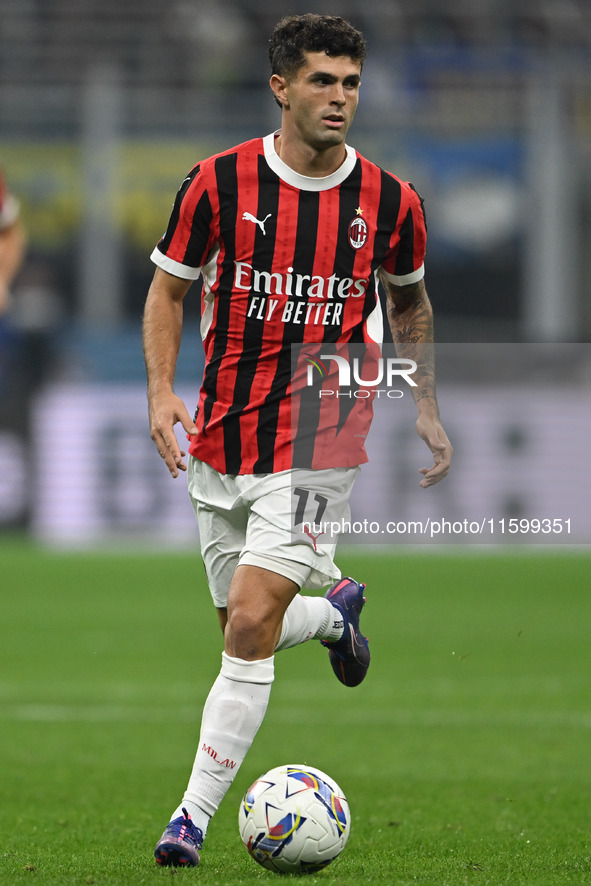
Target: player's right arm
[(162, 330)]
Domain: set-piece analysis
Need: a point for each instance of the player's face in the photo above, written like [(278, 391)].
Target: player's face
[(321, 100)]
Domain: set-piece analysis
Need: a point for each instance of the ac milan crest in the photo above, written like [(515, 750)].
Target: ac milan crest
[(358, 233)]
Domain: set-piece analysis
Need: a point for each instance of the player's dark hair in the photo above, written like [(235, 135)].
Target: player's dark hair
[(296, 34)]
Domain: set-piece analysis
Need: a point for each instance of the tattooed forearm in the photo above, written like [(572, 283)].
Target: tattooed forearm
[(424, 393), (411, 321), (407, 334), (409, 314)]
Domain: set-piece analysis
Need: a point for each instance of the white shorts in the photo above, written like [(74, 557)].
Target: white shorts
[(267, 520)]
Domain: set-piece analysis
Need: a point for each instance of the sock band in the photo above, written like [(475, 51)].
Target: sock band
[(241, 671)]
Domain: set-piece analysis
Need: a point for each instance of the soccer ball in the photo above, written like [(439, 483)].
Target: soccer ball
[(294, 819)]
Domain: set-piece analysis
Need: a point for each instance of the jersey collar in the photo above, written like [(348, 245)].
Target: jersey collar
[(306, 182)]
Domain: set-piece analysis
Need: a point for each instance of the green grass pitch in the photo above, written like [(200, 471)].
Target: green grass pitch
[(465, 755)]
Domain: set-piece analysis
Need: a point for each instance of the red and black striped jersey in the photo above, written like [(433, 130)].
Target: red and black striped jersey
[(285, 260)]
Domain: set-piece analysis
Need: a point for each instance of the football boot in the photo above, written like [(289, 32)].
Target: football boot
[(349, 656), (180, 843)]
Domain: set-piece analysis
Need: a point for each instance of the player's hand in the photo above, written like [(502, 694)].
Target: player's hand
[(165, 412), (431, 431)]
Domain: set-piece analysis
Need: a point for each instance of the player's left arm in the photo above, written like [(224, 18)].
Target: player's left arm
[(411, 321)]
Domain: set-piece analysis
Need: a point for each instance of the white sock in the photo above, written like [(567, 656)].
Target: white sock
[(309, 618), (232, 714), (199, 817)]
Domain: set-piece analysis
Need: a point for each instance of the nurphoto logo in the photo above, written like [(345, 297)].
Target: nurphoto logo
[(384, 370)]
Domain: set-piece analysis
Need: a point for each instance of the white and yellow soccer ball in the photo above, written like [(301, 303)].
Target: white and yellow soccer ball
[(294, 819)]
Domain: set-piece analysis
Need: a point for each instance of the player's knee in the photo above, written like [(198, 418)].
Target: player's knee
[(243, 621), (250, 634)]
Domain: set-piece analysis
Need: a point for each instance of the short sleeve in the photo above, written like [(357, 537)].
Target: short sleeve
[(184, 248), (404, 263)]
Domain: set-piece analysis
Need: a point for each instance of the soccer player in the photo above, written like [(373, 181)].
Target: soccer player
[(12, 242), (288, 234)]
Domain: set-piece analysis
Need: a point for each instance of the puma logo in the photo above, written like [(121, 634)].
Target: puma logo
[(313, 537), (248, 216)]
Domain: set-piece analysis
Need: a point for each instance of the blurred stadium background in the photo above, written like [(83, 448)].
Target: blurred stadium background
[(484, 104)]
